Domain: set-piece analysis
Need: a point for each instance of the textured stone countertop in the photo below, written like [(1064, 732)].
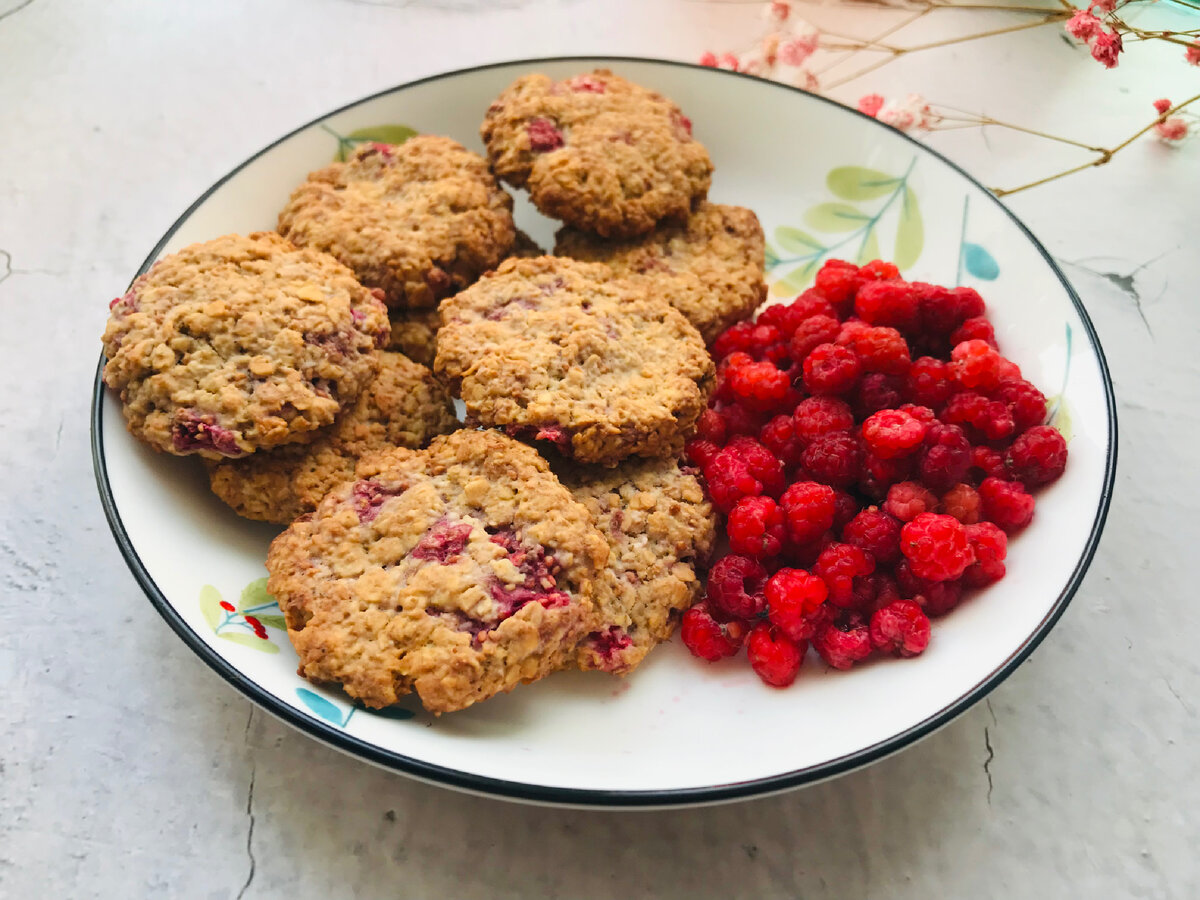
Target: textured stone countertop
[(128, 769)]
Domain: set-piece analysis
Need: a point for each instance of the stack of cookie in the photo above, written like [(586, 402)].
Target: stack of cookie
[(477, 563)]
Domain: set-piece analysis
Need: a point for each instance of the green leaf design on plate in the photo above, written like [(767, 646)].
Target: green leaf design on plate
[(384, 134), (835, 217), (857, 183), (273, 622), (910, 232), (210, 605), (249, 640), (255, 594), (320, 706), (980, 263), (770, 257), (793, 240), (869, 249)]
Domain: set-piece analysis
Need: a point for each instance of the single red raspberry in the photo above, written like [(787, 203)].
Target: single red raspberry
[(881, 350), (987, 463), (1037, 457), (929, 383), (834, 459), (736, 338), (890, 433), (962, 501), (809, 508), (729, 480), (759, 385), (756, 528), (875, 532), (878, 475), (843, 568), (935, 597), (845, 508), (763, 339), (811, 333), (944, 309), (774, 657), (793, 596), (723, 392), (908, 499), (544, 135), (975, 364), (900, 628), (760, 462), (816, 416), (706, 637), (876, 391), (735, 587), (944, 457), (920, 413), (838, 281), (701, 452), (788, 316), (843, 644), (878, 270), (936, 547), (989, 418), (831, 369), (977, 328), (1026, 403), (779, 436), (1006, 503), (893, 303), (991, 546), (711, 427), (850, 331)]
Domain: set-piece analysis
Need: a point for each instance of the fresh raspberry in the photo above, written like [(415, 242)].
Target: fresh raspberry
[(977, 328), (741, 419), (1037, 457), (729, 480), (1006, 503), (878, 475), (962, 501), (809, 508), (944, 457), (991, 418), (893, 303), (929, 383), (816, 416), (975, 364), (735, 587), (908, 499), (936, 547), (875, 532), (843, 644), (831, 369), (787, 317), (991, 546), (1026, 403), (882, 350), (935, 597), (1009, 370), (987, 463), (706, 637), (811, 333), (834, 459), (850, 331), (711, 427), (900, 628), (920, 413), (723, 392), (544, 135), (876, 391), (890, 433), (845, 508), (701, 452), (774, 657), (793, 595), (843, 568), (759, 385), (760, 462), (838, 281), (945, 309), (779, 436), (878, 270), (736, 338), (756, 528), (886, 590)]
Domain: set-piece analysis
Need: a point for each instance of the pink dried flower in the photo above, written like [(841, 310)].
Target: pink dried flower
[(1161, 106), (870, 104), (1192, 53), (807, 80), (770, 47), (728, 61), (753, 65), (1103, 6), (777, 11), (1172, 129), (1083, 26), (1105, 48), (914, 112), (708, 58), (795, 50)]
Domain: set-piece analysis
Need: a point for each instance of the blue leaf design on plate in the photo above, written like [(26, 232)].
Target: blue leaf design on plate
[(980, 263), (320, 706)]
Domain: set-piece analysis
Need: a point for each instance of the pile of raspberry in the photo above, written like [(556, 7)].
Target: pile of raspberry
[(872, 451)]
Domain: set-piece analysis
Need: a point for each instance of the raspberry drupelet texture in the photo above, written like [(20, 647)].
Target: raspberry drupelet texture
[(901, 628), (944, 457), (975, 364), (1025, 402), (844, 569), (1006, 503), (834, 459), (831, 369), (936, 547), (779, 436), (707, 638), (756, 528), (962, 501), (809, 508), (794, 598), (774, 656), (811, 333), (908, 499), (990, 546), (875, 532), (1037, 457), (892, 303), (735, 587), (816, 416), (928, 382), (891, 432), (842, 644)]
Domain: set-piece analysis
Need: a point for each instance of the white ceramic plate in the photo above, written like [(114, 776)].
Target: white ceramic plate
[(824, 180)]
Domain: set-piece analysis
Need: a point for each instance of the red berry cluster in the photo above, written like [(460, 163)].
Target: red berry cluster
[(872, 450)]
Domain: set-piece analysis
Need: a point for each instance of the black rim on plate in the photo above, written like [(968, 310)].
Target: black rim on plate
[(589, 797)]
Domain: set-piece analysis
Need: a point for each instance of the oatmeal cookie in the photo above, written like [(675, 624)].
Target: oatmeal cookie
[(457, 572), (239, 344), (402, 407), (555, 349), (419, 220), (596, 151), (660, 527), (710, 269)]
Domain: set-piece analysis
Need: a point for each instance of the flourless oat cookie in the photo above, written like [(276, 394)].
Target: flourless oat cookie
[(239, 344), (596, 151), (457, 572), (554, 349)]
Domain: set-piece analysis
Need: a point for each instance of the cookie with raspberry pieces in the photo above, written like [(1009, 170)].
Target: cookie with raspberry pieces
[(556, 350), (457, 572), (418, 220), (597, 151), (710, 268), (403, 406), (239, 344)]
